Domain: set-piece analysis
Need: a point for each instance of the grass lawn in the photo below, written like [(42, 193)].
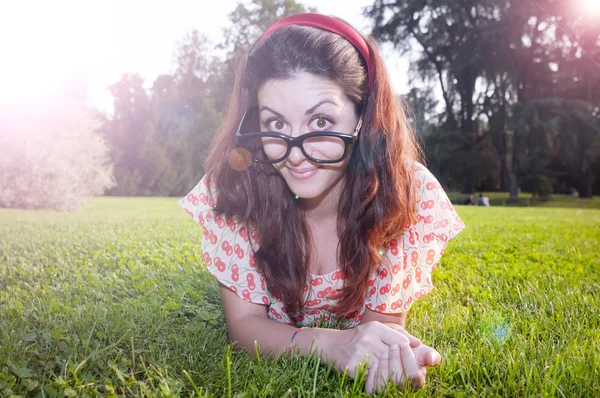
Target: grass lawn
[(113, 300), (526, 200)]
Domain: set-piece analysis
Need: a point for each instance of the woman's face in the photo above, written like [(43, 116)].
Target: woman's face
[(299, 105)]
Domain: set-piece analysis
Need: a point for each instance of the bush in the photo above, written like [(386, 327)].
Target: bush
[(52, 162)]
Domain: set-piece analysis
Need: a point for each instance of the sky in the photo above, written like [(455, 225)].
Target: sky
[(50, 44)]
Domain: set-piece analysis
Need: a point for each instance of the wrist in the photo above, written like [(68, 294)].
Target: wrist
[(323, 341)]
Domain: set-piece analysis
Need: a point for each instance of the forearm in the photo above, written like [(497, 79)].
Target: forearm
[(273, 338)]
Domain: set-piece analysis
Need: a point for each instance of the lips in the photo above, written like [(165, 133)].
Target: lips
[(302, 174)]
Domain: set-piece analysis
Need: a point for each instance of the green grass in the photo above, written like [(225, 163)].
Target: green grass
[(113, 300), (526, 200)]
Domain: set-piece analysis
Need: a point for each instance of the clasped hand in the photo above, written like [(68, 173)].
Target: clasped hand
[(389, 351)]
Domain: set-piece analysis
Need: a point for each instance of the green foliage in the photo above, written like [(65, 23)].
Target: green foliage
[(113, 300), (492, 60), (53, 160)]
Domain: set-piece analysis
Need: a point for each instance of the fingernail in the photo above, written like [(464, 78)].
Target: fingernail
[(394, 347), (434, 357)]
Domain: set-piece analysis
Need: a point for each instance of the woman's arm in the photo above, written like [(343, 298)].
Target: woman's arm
[(248, 322)]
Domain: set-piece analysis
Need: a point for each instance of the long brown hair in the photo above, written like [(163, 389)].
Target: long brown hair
[(380, 201)]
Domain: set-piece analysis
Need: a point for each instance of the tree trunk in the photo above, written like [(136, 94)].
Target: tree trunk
[(586, 188), (511, 158)]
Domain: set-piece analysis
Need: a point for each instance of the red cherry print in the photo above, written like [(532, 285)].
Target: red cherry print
[(252, 286), (381, 308), (203, 198), (312, 303), (243, 232), (193, 199), (430, 257), (429, 219), (394, 251), (250, 277), (352, 314), (372, 291), (284, 310), (207, 259), (234, 289), (277, 314), (396, 269), (324, 293), (225, 245), (316, 281), (231, 224), (212, 237), (394, 306), (235, 268), (371, 282), (220, 221), (405, 262), (334, 294), (385, 289), (254, 234), (251, 260), (246, 294), (384, 273), (408, 302), (229, 251), (337, 275), (412, 237), (419, 184), (443, 205), (414, 256), (395, 290), (265, 300), (418, 274), (429, 186), (420, 294), (393, 243), (430, 204), (235, 276), (211, 202), (306, 287), (262, 282), (369, 306), (406, 281)]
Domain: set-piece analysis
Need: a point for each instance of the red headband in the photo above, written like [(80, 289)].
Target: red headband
[(333, 25)]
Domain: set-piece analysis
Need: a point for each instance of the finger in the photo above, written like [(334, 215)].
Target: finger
[(391, 335), (410, 366), (427, 356), (396, 365), (371, 375), (412, 340), (384, 371)]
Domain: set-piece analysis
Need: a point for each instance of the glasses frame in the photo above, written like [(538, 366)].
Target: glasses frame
[(292, 142)]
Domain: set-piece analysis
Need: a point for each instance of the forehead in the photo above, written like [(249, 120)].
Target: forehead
[(300, 93)]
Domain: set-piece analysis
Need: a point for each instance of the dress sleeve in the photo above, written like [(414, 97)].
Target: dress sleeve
[(411, 259), (225, 244)]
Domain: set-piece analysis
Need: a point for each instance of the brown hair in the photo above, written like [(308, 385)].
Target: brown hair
[(379, 174)]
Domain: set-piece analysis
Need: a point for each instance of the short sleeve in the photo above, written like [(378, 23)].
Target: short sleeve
[(406, 277), (226, 249)]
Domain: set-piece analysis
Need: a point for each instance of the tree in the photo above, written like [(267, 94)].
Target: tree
[(53, 160)]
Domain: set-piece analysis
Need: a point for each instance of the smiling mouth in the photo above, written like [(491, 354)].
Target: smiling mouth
[(303, 173)]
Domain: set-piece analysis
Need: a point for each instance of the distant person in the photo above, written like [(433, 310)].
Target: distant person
[(322, 156), (483, 200), (470, 200)]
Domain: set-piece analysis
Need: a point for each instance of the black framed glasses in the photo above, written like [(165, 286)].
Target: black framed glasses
[(318, 146)]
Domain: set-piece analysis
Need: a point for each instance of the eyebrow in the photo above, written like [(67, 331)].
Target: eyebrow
[(308, 112)]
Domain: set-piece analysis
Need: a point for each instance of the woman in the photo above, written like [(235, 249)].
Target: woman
[(320, 213)]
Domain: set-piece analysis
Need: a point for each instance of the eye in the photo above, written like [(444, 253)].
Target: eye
[(320, 123), (275, 125)]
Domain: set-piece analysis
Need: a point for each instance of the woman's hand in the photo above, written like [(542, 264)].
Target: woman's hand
[(391, 365), (368, 342)]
